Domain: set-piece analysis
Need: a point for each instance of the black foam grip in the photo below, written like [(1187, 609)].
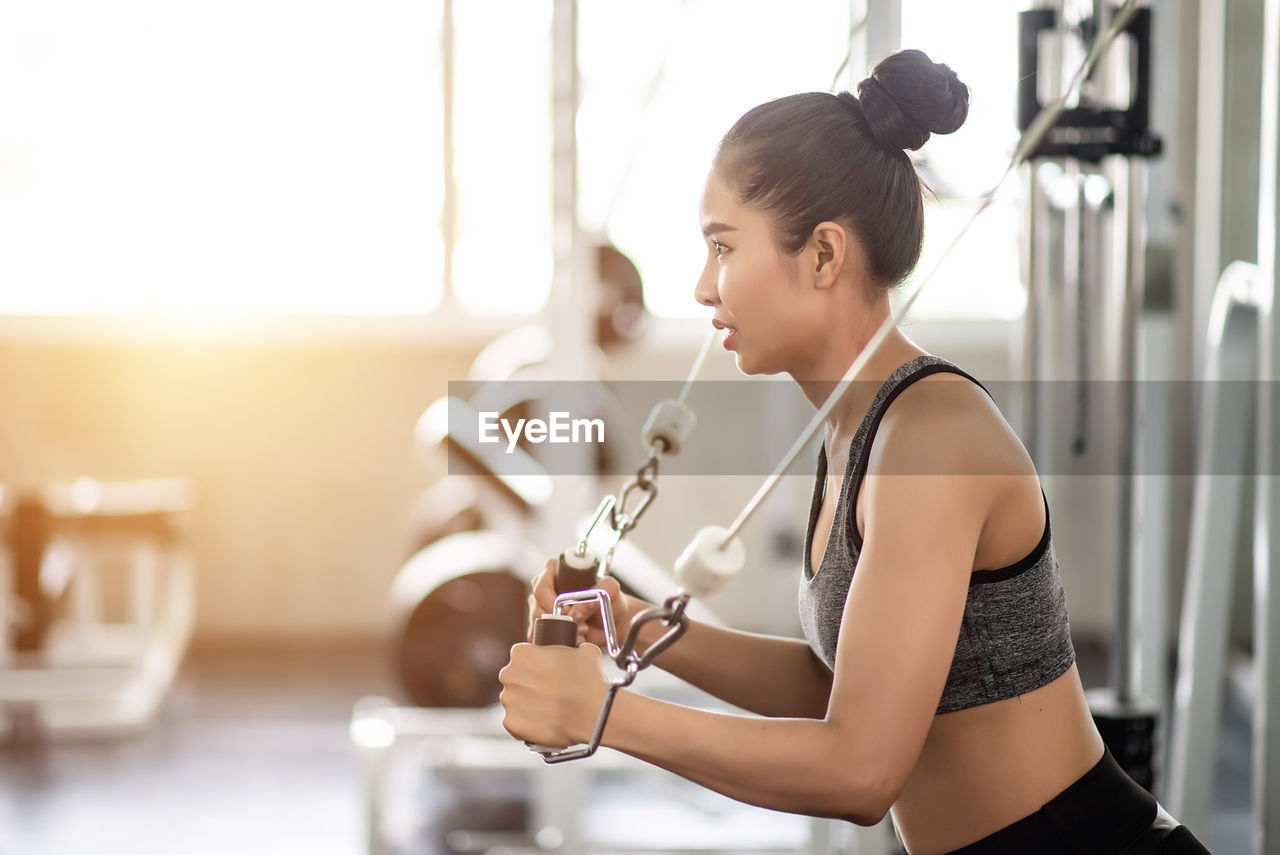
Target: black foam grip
[(549, 630), (569, 578)]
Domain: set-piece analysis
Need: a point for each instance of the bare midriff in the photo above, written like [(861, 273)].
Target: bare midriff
[(986, 767)]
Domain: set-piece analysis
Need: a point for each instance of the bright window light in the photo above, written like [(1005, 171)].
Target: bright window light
[(284, 157), (643, 169), (502, 143), (247, 156), (981, 279), (698, 67)]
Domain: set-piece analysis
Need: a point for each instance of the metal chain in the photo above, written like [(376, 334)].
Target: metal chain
[(672, 615), (645, 480), (671, 612)]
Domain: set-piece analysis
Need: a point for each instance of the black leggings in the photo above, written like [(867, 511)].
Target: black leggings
[(1103, 813)]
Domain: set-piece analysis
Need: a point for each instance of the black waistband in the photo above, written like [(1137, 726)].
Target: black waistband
[(1102, 812)]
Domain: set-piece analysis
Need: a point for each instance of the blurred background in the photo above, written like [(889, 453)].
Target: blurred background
[(252, 603)]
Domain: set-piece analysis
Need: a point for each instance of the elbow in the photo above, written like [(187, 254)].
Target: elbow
[(867, 811), (861, 802), (867, 815), (865, 782), (869, 795)]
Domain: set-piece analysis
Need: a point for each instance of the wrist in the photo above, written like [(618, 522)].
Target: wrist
[(590, 713)]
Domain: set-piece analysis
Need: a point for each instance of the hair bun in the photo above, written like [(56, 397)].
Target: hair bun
[(908, 97)]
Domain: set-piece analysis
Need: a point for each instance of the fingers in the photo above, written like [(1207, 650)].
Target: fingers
[(585, 615), (543, 596), (544, 585), (611, 587)]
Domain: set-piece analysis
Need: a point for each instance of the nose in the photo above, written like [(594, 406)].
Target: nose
[(705, 291)]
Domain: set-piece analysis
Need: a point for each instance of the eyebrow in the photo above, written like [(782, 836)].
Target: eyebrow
[(711, 228)]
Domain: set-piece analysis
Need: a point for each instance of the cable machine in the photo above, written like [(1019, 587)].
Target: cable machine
[(1086, 183)]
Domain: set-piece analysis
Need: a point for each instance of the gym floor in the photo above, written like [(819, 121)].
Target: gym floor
[(251, 754)]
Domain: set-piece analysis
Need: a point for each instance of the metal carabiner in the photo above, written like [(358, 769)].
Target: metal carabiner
[(624, 522), (646, 474), (671, 613), (645, 479), (606, 506)]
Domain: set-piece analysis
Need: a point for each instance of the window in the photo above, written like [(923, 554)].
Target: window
[(502, 155), (981, 279), (284, 157), (661, 83), (244, 156)]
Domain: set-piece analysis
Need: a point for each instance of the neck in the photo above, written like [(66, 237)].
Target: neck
[(842, 346)]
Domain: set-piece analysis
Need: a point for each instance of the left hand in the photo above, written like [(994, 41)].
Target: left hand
[(552, 695)]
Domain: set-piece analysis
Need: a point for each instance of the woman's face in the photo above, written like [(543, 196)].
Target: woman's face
[(755, 288)]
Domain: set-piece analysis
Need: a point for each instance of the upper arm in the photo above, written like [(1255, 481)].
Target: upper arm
[(906, 601)]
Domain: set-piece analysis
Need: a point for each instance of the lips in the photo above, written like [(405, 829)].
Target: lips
[(727, 341)]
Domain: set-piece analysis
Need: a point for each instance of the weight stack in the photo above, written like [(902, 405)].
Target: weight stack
[(1129, 730)]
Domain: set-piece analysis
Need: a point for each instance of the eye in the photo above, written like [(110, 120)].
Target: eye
[(719, 248)]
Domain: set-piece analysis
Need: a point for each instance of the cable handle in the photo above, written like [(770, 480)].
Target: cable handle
[(553, 631), (590, 595), (575, 572), (561, 629), (576, 577), (671, 613)]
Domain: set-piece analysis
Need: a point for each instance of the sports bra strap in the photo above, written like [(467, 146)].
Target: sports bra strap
[(889, 393)]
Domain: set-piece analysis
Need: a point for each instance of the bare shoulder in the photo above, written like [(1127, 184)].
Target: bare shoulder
[(945, 424)]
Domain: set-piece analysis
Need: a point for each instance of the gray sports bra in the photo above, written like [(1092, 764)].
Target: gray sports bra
[(1014, 636)]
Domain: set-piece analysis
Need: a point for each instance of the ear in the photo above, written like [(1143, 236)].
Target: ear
[(830, 246)]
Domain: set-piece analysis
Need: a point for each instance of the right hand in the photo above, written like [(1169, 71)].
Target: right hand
[(587, 615)]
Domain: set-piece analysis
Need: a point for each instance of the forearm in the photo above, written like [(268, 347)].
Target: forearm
[(797, 765), (762, 674)]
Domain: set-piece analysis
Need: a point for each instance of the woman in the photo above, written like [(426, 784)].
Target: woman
[(938, 682)]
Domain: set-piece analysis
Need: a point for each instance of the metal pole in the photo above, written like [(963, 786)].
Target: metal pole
[(1043, 237), (1122, 662), (1266, 749), (881, 37), (1210, 120), (449, 202), (559, 790), (1032, 276), (1224, 421)]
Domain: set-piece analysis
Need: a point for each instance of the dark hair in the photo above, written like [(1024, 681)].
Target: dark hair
[(811, 158)]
